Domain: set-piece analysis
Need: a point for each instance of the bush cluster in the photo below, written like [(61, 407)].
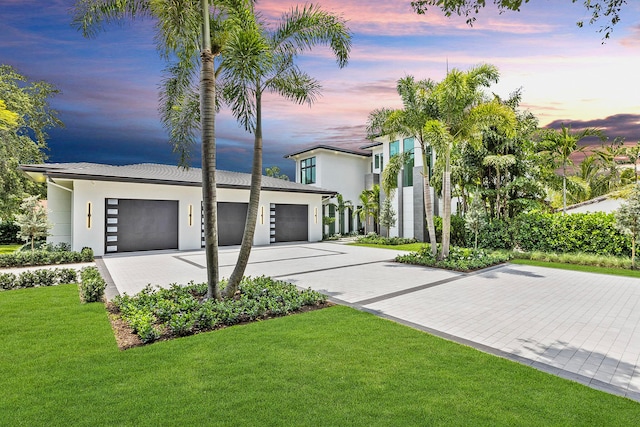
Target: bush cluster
[(8, 233), (374, 239), (44, 257), (37, 278), (460, 259), (183, 310), (92, 285)]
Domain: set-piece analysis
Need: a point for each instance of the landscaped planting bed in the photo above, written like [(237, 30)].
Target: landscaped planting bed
[(158, 313), (460, 259)]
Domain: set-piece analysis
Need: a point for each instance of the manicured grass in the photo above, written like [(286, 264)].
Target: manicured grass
[(7, 249), (337, 366), (576, 267)]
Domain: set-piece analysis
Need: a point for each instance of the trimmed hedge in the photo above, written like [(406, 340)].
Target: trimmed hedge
[(37, 278), (44, 257)]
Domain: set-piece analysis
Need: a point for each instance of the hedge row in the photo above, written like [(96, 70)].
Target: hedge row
[(37, 278), (593, 233), (44, 257)]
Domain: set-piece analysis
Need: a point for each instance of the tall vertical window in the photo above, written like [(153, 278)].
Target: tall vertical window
[(407, 178), (394, 148), (377, 162), (308, 171)]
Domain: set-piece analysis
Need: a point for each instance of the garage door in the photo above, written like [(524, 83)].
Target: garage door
[(291, 222), (231, 219), (140, 225)]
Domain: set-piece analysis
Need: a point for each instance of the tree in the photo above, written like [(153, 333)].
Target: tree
[(475, 217), (369, 207), (183, 31), (633, 153), (274, 171), (417, 110), (387, 215), (627, 219), (32, 220), (25, 118), (599, 9), (464, 114), (559, 145), (260, 60)]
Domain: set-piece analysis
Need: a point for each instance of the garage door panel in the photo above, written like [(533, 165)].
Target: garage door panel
[(291, 223), (231, 221), (141, 225)]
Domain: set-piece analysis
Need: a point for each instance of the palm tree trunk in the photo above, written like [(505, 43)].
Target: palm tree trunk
[(564, 189), (254, 202), (446, 213), (428, 205), (209, 198)]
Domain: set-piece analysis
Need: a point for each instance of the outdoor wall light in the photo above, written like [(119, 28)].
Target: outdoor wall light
[(190, 215), (261, 215), (88, 214), (315, 215)]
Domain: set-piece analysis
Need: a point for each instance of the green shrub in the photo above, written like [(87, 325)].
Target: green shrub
[(66, 275), (86, 255), (7, 281), (182, 310), (9, 233), (49, 255), (92, 285), (593, 233), (460, 259), (458, 232), (44, 277), (374, 239), (496, 234)]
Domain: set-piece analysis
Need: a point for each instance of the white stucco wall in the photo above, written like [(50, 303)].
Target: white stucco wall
[(72, 227), (407, 206), (59, 207)]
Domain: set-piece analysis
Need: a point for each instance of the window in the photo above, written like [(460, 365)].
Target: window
[(377, 162), (394, 148), (308, 171), (407, 178)]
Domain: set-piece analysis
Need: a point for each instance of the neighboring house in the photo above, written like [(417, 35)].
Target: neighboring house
[(151, 207), (350, 172)]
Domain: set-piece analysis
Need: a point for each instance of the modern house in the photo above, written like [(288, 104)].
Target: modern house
[(349, 172), (139, 207)]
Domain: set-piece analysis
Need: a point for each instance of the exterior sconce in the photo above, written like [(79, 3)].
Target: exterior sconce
[(89, 215), (261, 215), (190, 215), (315, 215)]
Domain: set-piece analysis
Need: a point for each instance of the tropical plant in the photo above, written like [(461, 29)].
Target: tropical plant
[(341, 206), (259, 60), (559, 145), (369, 208), (633, 153), (274, 172), (387, 215), (464, 114), (32, 220), (417, 110), (475, 217)]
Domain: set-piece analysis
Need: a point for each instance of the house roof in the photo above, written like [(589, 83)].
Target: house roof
[(149, 173), (329, 148), (372, 145)]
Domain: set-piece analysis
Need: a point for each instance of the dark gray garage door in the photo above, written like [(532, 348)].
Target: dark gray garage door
[(291, 223), (140, 225), (231, 219)]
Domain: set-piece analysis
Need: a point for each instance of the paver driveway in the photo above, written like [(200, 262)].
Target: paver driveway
[(581, 326)]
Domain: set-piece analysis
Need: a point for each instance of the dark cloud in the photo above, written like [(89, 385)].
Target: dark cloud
[(626, 126)]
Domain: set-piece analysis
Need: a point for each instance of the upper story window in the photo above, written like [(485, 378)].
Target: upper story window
[(394, 148), (407, 177), (308, 171)]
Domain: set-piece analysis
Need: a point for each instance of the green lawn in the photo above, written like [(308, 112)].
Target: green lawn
[(7, 249), (59, 365)]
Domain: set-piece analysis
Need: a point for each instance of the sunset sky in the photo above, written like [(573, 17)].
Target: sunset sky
[(109, 84)]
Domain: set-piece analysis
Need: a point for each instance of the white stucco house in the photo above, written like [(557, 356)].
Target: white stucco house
[(349, 172), (139, 207)]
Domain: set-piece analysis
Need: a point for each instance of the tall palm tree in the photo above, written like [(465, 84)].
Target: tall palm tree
[(463, 114), (341, 206), (559, 145), (183, 31), (260, 60), (417, 109), (369, 206)]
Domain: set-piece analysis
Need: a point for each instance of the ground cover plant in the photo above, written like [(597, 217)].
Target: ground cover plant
[(460, 259), (60, 366), (156, 313), (375, 239), (46, 256)]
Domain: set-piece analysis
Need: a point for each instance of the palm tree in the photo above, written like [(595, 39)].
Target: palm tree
[(560, 145), (463, 115), (341, 206), (633, 153), (418, 109), (369, 206), (258, 60), (183, 31)]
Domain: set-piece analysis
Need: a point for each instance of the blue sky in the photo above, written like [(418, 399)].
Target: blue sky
[(109, 84)]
